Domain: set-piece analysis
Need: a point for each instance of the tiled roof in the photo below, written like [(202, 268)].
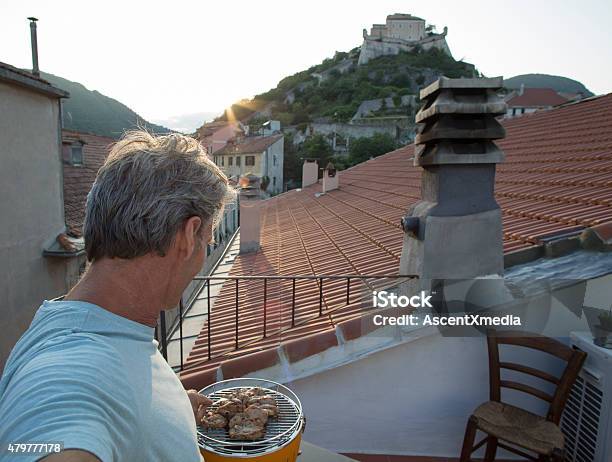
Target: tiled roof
[(557, 178), (537, 97), (211, 127), (250, 145), (79, 179)]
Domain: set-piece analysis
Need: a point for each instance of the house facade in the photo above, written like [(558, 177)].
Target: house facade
[(260, 155), (400, 26)]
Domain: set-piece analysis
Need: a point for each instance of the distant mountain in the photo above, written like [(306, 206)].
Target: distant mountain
[(92, 112), (556, 82)]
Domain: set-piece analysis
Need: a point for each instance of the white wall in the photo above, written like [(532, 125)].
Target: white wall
[(272, 170), (413, 399), (410, 30)]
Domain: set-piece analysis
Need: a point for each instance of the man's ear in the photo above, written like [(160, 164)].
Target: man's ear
[(191, 231)]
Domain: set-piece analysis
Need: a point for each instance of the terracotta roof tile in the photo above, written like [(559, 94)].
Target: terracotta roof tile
[(79, 179), (557, 178), (250, 145)]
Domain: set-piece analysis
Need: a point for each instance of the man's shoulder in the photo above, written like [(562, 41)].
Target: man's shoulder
[(72, 359), (56, 335), (55, 352)]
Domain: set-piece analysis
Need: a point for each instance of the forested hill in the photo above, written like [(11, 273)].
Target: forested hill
[(336, 87), (92, 112)]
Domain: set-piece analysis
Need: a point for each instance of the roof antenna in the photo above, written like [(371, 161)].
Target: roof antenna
[(34, 39)]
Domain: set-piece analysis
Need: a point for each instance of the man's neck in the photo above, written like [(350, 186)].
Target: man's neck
[(129, 288)]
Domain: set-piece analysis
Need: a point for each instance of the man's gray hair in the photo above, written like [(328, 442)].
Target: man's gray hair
[(146, 189)]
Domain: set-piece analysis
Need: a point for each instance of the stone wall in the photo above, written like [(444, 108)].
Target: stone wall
[(373, 47), (366, 108)]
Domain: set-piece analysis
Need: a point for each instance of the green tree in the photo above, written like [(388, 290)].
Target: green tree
[(317, 147), (292, 165), (361, 149)]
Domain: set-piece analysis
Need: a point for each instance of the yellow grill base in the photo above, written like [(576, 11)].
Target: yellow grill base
[(288, 453)]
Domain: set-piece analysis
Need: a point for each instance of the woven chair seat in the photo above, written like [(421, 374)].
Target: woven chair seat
[(519, 427)]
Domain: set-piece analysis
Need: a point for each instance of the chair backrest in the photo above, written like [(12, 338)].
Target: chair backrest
[(573, 359)]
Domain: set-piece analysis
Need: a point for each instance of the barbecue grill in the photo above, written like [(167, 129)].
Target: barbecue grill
[(283, 433)]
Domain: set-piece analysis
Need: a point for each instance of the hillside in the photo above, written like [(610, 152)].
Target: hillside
[(335, 88), (556, 82), (92, 112)]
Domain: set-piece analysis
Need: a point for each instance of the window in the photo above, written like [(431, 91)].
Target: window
[(230, 161), (72, 153), (274, 160), (274, 181), (222, 161), (249, 161), (76, 154), (237, 161)]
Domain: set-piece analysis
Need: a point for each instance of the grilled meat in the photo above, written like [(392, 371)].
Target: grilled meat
[(245, 394), (213, 420), (257, 414), (255, 391), (270, 409), (244, 412), (228, 407), (265, 399), (241, 427)]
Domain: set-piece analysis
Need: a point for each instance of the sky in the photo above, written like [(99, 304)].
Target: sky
[(182, 62)]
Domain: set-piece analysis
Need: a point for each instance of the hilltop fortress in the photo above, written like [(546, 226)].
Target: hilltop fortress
[(402, 32)]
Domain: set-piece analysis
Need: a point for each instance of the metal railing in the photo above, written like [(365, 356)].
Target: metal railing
[(230, 288)]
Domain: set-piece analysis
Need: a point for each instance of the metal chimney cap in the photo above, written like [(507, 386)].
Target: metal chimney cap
[(32, 18), (467, 83)]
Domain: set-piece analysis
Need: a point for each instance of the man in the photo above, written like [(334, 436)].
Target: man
[(87, 373)]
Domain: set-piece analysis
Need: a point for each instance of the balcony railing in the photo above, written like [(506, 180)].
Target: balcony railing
[(325, 295)]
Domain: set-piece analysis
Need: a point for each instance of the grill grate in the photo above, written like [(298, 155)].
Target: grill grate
[(279, 430)]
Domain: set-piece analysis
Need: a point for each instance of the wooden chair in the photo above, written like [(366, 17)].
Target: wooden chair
[(504, 423)]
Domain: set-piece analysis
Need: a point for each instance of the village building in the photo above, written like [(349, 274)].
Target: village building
[(260, 155), (32, 203), (528, 100)]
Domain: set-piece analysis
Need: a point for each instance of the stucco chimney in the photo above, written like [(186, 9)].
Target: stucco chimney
[(522, 90), (310, 172), (34, 40), (330, 178), (250, 213), (455, 231)]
